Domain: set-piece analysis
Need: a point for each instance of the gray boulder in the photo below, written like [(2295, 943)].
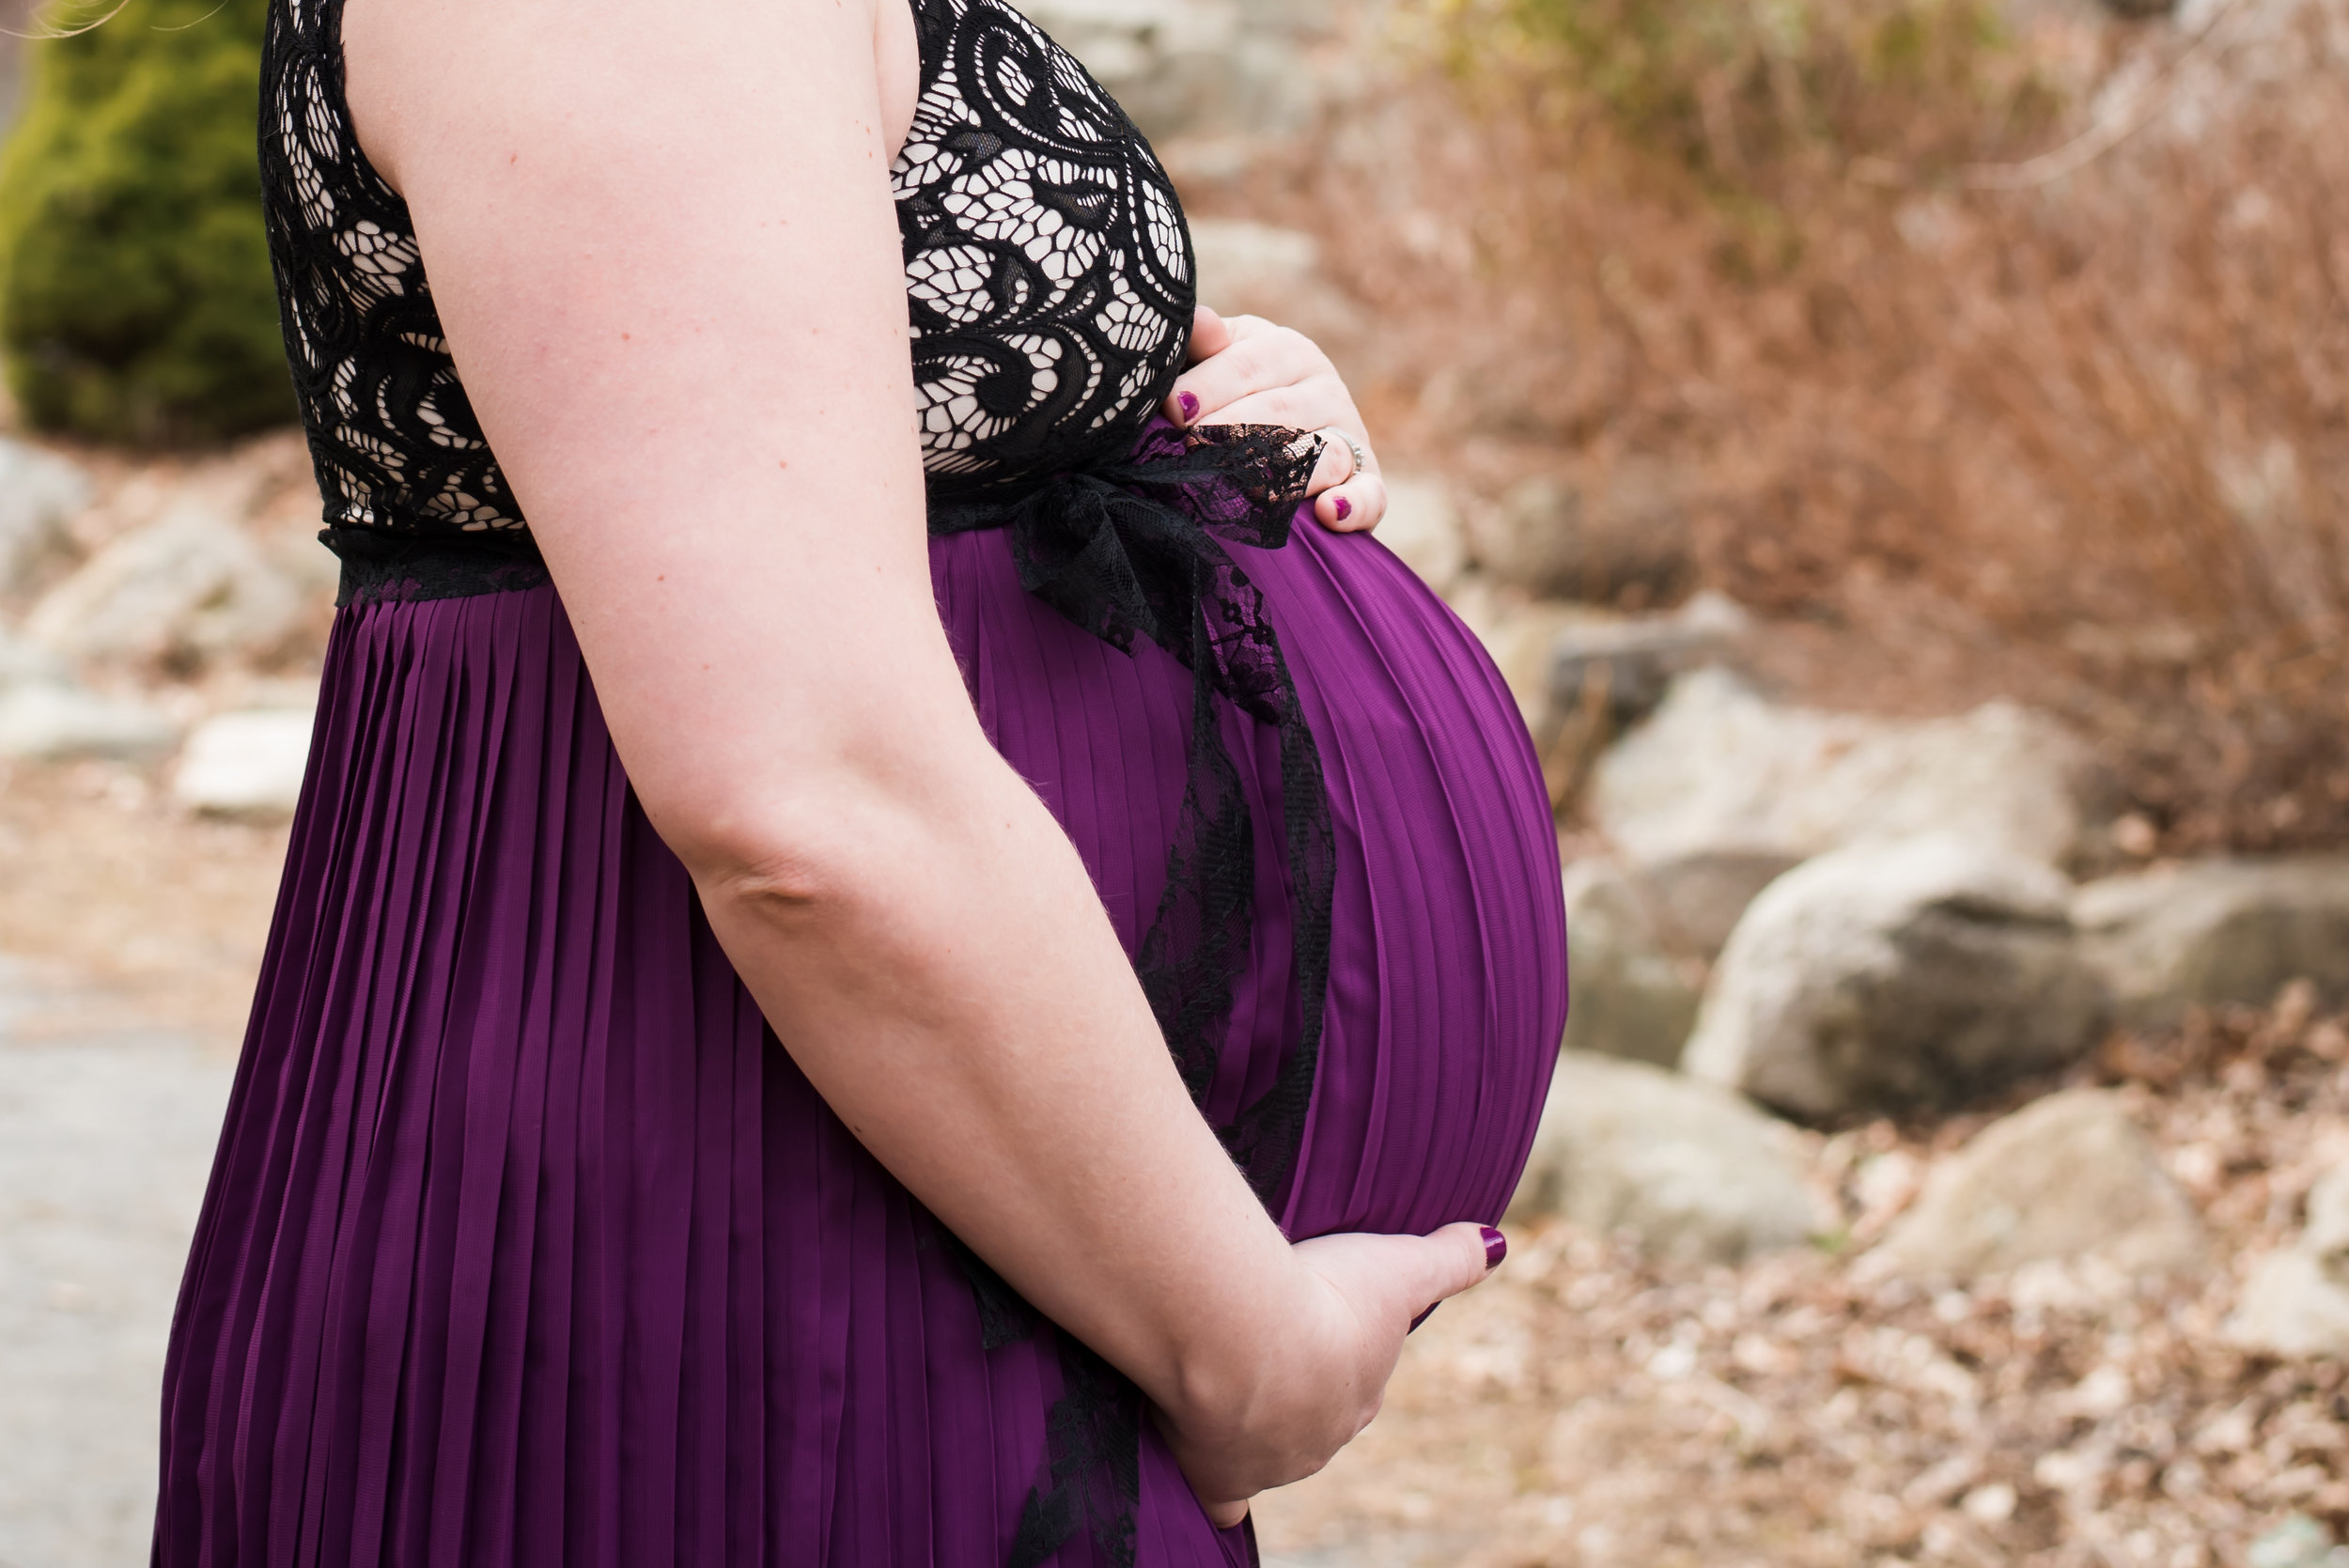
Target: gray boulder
[(39, 492), (1911, 974), (2296, 1541), (1691, 1171), (2295, 1301), (1243, 264), (2214, 931), (2068, 1176), (1422, 528), (52, 720), (1628, 664), (188, 587), (1590, 537), (246, 763), (1246, 268), (1184, 67), (20, 662), (1520, 634), (1698, 900), (1633, 996), (1719, 770)]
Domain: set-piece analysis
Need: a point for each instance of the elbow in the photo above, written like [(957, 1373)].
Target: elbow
[(789, 861)]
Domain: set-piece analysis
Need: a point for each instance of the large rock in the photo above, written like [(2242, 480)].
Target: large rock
[(188, 587), (1185, 67), (54, 721), (1698, 900), (1244, 264), (1692, 1171), (2296, 1302), (38, 493), (2296, 1541), (2069, 1177), (1628, 664), (246, 763), (21, 661), (1590, 538), (1254, 269), (1422, 528), (1520, 634), (2215, 932), (1633, 994), (1911, 974), (1720, 770)]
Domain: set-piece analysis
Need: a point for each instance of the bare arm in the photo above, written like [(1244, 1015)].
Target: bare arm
[(662, 245)]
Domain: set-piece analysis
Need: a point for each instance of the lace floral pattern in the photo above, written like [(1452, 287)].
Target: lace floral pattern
[(1047, 265), (390, 432), (1048, 277)]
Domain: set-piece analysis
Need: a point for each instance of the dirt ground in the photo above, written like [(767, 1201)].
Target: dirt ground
[(1589, 1408), (134, 912)]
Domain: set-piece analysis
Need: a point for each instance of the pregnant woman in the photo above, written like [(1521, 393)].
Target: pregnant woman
[(928, 964)]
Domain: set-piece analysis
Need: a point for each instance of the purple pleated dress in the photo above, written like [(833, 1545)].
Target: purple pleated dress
[(528, 1244)]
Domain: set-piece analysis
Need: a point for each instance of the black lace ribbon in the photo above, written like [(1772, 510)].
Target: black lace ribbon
[(380, 567), (1135, 550)]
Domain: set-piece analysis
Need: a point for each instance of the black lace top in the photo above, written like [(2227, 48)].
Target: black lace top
[(1047, 276)]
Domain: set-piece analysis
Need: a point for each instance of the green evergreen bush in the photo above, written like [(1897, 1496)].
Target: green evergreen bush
[(135, 296)]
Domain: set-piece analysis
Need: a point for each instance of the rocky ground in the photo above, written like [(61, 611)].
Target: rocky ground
[(1601, 1401), (1597, 1405)]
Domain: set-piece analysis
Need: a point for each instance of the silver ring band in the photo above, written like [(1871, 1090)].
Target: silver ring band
[(1353, 450)]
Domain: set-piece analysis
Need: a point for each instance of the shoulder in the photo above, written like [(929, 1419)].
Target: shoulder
[(426, 77)]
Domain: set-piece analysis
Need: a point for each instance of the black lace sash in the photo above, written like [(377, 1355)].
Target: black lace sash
[(1134, 550), (380, 567)]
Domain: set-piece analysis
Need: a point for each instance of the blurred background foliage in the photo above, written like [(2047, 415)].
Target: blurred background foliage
[(135, 297), (1759, 99), (1986, 345)]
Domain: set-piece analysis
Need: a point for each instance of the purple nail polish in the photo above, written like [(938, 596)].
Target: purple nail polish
[(1496, 1246), (1188, 404), (1422, 1318), (1346, 508)]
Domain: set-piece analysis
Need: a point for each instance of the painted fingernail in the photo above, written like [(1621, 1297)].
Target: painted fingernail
[(1188, 404), (1496, 1246), (1422, 1317), (1346, 509)]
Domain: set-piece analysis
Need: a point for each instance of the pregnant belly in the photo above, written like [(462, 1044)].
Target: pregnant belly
[(1447, 978)]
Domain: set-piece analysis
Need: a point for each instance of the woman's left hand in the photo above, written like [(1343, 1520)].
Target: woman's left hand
[(1247, 371)]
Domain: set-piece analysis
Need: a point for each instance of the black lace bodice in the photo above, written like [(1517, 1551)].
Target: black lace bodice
[(1048, 277)]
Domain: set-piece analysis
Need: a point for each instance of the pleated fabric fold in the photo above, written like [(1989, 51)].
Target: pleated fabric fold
[(527, 1244)]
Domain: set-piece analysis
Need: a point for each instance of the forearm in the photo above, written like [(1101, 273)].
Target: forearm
[(955, 990)]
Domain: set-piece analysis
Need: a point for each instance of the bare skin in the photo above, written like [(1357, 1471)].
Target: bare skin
[(662, 245)]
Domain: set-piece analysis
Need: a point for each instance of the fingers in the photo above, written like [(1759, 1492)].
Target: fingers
[(1353, 507), (1258, 360), (1459, 1257), (1224, 1516), (1210, 334), (1247, 371), (1393, 1279)]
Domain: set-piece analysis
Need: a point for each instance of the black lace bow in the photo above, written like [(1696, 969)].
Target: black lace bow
[(1131, 550)]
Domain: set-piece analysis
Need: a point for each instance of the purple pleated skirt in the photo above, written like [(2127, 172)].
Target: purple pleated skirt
[(527, 1245)]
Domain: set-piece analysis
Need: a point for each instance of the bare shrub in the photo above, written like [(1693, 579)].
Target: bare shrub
[(2079, 432)]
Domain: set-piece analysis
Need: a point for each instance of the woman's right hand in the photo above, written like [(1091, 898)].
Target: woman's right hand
[(1321, 1382)]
